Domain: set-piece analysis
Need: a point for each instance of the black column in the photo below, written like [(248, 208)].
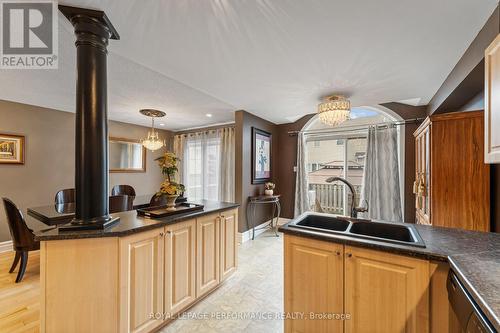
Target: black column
[(92, 30)]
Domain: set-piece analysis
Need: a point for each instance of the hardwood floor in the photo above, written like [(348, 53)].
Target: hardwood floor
[(19, 303)]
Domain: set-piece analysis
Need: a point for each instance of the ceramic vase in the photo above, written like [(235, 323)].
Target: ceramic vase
[(171, 202), (268, 192)]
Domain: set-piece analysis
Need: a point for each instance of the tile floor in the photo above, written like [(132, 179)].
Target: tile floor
[(256, 288)]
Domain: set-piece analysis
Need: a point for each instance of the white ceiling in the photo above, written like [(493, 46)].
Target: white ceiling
[(273, 58)]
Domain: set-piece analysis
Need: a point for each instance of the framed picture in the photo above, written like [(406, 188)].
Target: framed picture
[(261, 156), (11, 149)]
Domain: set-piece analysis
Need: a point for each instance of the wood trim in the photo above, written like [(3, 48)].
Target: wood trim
[(6, 246), (456, 115), (442, 318), (131, 170), (422, 127), (492, 95)]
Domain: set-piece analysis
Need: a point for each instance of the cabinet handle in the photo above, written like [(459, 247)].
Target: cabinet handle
[(349, 255), (337, 253), (161, 234), (169, 232)]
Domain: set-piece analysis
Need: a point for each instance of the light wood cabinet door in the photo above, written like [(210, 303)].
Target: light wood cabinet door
[(313, 284), (228, 244), (492, 102), (207, 259), (180, 266), (141, 284), (385, 293)]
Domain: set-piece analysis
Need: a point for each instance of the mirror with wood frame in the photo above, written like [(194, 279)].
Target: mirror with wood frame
[(126, 155)]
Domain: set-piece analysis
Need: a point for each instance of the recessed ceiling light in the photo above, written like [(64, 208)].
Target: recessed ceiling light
[(162, 124), (209, 115)]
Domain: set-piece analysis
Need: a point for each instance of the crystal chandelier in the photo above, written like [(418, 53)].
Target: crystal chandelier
[(334, 110), (152, 142)]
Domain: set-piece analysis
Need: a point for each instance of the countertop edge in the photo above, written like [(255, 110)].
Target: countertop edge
[(485, 308), (158, 223), (372, 244)]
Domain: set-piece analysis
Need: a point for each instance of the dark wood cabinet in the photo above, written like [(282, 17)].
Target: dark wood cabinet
[(452, 182)]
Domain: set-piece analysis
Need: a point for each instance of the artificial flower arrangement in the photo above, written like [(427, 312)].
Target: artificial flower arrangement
[(168, 165), (268, 188)]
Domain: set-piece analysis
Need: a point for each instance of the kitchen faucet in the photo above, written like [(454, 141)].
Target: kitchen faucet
[(354, 210)]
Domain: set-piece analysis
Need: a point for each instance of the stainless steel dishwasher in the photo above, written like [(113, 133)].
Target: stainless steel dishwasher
[(469, 314)]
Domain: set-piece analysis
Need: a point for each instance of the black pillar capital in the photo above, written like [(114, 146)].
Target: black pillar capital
[(93, 30)]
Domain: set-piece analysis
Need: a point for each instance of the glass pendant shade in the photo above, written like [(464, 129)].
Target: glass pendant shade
[(152, 141), (334, 110)]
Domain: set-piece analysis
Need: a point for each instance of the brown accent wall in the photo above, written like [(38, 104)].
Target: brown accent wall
[(49, 164), (287, 156), (244, 122), (408, 112)]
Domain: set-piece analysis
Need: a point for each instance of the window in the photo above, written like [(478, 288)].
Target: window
[(340, 157), (201, 168)]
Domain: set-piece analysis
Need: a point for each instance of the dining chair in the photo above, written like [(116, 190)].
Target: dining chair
[(119, 203), (124, 190), (23, 238), (65, 196)]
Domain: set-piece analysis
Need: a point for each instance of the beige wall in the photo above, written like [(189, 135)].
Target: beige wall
[(49, 164)]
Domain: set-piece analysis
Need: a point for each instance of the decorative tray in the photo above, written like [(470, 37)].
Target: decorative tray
[(161, 211)]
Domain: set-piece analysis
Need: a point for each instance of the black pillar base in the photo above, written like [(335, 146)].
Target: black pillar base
[(96, 224)]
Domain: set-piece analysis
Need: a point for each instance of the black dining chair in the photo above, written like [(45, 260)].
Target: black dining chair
[(119, 203), (124, 190), (23, 238), (65, 196)]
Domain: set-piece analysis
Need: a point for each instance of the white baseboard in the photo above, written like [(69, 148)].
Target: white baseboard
[(6, 246), (247, 235)]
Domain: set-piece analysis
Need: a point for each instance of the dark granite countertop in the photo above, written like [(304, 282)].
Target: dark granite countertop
[(473, 256), (131, 223)]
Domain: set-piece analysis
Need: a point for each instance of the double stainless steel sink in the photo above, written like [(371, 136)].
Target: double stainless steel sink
[(399, 233)]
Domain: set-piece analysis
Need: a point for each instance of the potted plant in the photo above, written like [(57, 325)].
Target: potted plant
[(269, 187), (169, 188)]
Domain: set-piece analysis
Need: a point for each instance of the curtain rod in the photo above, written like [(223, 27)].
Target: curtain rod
[(357, 127)]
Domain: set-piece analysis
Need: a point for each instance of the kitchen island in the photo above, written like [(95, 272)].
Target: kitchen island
[(388, 287), (137, 275)]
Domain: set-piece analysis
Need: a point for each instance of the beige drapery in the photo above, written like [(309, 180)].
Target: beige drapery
[(224, 140)]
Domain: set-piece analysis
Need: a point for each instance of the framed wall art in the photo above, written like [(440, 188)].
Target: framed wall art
[(261, 156), (12, 149)]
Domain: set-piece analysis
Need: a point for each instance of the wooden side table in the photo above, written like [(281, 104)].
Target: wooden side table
[(253, 202)]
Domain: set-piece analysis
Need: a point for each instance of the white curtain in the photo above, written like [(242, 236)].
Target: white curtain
[(207, 164), (381, 175), (301, 184)]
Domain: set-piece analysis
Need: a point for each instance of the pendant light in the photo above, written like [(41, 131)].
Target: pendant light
[(334, 110), (152, 142)]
